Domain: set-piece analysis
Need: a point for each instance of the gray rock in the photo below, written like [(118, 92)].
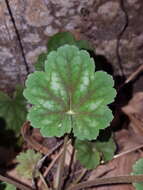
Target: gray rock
[(98, 21)]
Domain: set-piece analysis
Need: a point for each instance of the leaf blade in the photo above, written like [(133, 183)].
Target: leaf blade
[(69, 88)]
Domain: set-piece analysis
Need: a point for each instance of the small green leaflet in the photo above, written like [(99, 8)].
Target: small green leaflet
[(6, 186), (39, 66), (69, 95), (63, 38), (90, 153), (83, 44), (138, 170), (27, 161), (106, 149), (87, 154), (58, 40), (13, 110), (9, 187)]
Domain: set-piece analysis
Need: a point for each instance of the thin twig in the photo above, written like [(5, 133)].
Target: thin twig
[(15, 182), (40, 162), (13, 49), (70, 168), (108, 180), (51, 165), (128, 151), (81, 175), (53, 161), (60, 170), (119, 36), (18, 36), (44, 182), (134, 74)]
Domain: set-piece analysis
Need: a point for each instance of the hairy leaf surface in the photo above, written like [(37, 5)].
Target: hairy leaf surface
[(69, 95), (13, 110), (138, 170)]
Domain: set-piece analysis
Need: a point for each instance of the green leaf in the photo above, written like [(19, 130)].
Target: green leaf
[(63, 38), (27, 161), (90, 153), (58, 40), (83, 44), (39, 66), (87, 154), (106, 149), (9, 187), (70, 95), (13, 110), (6, 186), (138, 170)]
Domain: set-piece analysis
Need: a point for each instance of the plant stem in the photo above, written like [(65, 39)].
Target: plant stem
[(16, 183), (52, 163), (41, 161), (78, 179), (44, 182), (80, 176), (50, 166), (60, 170), (109, 180), (128, 151)]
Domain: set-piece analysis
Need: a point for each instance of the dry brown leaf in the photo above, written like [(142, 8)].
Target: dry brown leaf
[(134, 111)]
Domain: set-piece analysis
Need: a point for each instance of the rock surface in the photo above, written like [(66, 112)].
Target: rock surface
[(98, 21)]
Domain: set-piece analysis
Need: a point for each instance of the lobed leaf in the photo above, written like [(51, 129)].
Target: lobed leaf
[(62, 38), (69, 95), (27, 161), (58, 40), (90, 153), (87, 154)]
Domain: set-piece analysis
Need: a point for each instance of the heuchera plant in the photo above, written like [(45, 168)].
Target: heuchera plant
[(69, 96)]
